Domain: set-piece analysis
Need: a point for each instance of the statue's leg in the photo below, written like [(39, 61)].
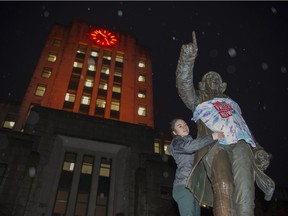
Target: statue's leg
[(222, 183), (244, 180)]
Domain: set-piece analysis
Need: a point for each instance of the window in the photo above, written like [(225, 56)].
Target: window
[(100, 107), (40, 90), (107, 55), (141, 64), (100, 103), (87, 165), (165, 196), (103, 187), (64, 184), (95, 53), (69, 101), (89, 82), (52, 57), (118, 72), (82, 49), (91, 67), (157, 146), (119, 58), (142, 110), (142, 93), (105, 167), (56, 43), (142, 78), (46, 72), (74, 81), (81, 52), (8, 124), (70, 97), (103, 84), (105, 69), (78, 64), (166, 144), (115, 105), (3, 168), (84, 187), (85, 100), (116, 88), (69, 162)]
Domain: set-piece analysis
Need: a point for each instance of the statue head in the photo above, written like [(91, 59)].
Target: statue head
[(212, 83)]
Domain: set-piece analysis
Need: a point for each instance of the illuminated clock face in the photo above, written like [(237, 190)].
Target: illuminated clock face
[(103, 37)]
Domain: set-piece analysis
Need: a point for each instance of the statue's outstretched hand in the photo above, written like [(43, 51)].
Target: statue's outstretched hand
[(262, 159), (189, 51)]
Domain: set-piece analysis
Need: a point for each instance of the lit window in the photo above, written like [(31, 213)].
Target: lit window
[(70, 97), (101, 103), (92, 67), (78, 64), (8, 124), (141, 64), (87, 165), (115, 106), (46, 72), (166, 144), (40, 90), (102, 196), (85, 100), (95, 53), (52, 57), (89, 82), (119, 58), (142, 78), (69, 162), (142, 110), (105, 169), (103, 85), (142, 93), (116, 88), (157, 146), (64, 185), (105, 69)]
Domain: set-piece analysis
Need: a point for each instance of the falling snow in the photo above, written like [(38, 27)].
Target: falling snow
[(120, 13), (283, 70), (264, 66), (46, 14), (232, 52), (274, 11)]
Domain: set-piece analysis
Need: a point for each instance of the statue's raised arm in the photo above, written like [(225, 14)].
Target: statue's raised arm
[(184, 74)]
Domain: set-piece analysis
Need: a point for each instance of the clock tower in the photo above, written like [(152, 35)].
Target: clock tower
[(92, 71), (103, 37)]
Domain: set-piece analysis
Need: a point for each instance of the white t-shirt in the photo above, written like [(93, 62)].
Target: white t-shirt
[(223, 114)]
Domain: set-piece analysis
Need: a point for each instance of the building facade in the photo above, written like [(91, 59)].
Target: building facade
[(92, 71), (82, 140), (66, 163)]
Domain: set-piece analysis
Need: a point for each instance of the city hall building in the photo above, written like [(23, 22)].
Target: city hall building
[(82, 140)]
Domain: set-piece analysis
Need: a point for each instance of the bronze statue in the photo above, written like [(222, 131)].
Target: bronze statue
[(223, 176)]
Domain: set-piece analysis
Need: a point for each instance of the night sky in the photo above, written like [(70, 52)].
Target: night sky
[(245, 42)]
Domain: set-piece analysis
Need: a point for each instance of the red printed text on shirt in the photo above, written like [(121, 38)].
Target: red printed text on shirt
[(223, 109)]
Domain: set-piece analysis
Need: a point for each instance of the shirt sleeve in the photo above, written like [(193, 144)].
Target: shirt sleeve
[(184, 145)]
